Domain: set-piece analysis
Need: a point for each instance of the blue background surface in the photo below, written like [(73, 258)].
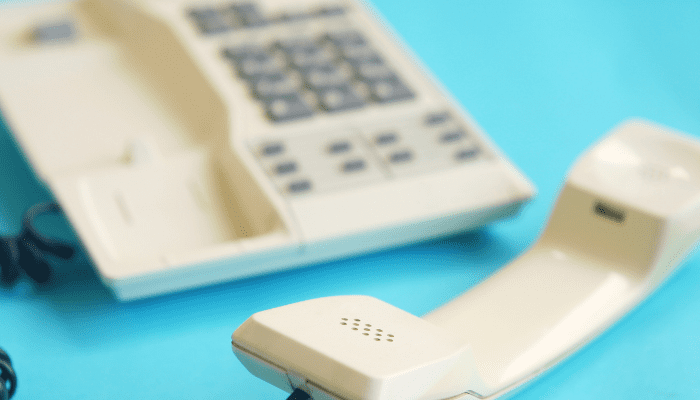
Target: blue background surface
[(545, 79)]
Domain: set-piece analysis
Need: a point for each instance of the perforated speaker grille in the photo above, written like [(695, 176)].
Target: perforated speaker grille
[(368, 330)]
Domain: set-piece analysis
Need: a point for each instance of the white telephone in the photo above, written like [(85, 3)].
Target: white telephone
[(196, 141), (628, 214)]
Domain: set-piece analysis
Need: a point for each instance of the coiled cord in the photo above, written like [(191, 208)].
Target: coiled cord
[(7, 375), (27, 251)]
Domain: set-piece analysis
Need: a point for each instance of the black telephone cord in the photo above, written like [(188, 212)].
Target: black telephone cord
[(27, 251)]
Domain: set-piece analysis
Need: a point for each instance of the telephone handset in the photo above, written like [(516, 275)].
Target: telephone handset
[(626, 217), (193, 141)]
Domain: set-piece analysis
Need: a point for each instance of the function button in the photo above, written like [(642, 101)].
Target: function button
[(389, 90), (326, 76), (287, 167), (437, 118), (400, 157), (386, 138), (331, 11), (209, 20), (452, 136), (287, 108), (293, 16), (272, 149), (354, 165), (62, 30), (299, 186), (467, 154), (339, 147), (276, 85), (249, 15), (340, 99)]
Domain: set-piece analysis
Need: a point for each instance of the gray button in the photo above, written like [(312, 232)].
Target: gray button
[(339, 147), (275, 85), (304, 53), (347, 39), (389, 90), (299, 186), (386, 138), (272, 149), (63, 30), (467, 154), (437, 118), (287, 167), (354, 165), (372, 68), (326, 76), (255, 64), (331, 11), (249, 15), (401, 156), (452, 136), (287, 108), (209, 20), (340, 99)]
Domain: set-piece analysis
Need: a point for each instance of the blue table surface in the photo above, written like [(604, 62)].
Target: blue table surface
[(545, 79)]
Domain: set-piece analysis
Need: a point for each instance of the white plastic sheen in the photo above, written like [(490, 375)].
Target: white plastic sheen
[(628, 214), (148, 141)]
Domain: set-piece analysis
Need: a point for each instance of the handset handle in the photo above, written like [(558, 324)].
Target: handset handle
[(627, 215)]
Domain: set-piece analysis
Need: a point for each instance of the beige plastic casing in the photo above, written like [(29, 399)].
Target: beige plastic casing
[(148, 141), (627, 216)]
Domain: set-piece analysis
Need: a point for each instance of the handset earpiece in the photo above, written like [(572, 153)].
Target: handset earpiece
[(627, 215)]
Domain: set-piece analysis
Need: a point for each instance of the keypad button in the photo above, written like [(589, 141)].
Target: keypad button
[(386, 138), (285, 168), (272, 149), (287, 108), (304, 53), (326, 76), (467, 154), (348, 40), (389, 90), (249, 15), (276, 85), (339, 147), (372, 68), (354, 165), (209, 20), (400, 157), (300, 186), (259, 63), (340, 99), (452, 136)]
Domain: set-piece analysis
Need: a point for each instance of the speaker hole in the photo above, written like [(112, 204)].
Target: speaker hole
[(368, 325), (390, 335), (354, 329), (366, 334), (366, 329), (356, 324), (379, 330), (377, 339), (390, 340), (343, 323), (344, 319), (357, 320), (378, 334)]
